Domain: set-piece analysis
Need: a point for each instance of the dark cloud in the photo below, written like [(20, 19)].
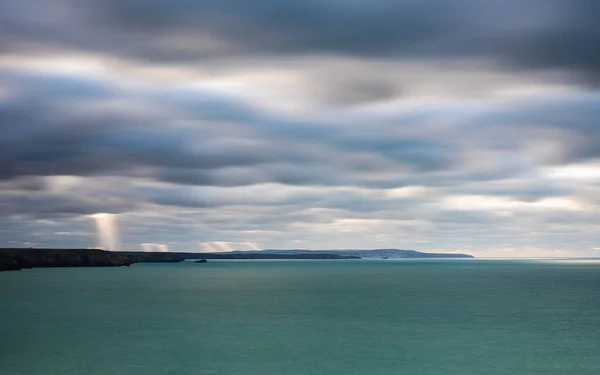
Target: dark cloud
[(24, 184), (565, 120), (526, 34), (55, 137), (44, 134), (354, 90), (48, 205)]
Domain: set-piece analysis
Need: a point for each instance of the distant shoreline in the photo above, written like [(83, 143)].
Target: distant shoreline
[(325, 254), (13, 259)]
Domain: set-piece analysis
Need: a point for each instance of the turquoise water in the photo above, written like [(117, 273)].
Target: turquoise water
[(463, 317)]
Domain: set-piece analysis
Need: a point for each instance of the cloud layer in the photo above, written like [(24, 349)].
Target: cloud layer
[(441, 126)]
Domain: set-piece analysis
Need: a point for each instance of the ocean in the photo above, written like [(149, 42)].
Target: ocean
[(347, 317)]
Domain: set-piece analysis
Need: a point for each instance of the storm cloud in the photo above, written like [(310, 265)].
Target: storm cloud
[(441, 126)]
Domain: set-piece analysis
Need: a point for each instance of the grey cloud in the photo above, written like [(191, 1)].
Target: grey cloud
[(48, 205), (471, 218), (567, 121), (527, 34), (351, 90), (528, 191), (55, 232), (54, 138), (260, 147), (285, 173), (301, 215), (41, 136), (24, 184)]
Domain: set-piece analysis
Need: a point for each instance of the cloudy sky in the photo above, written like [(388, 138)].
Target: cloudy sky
[(460, 126)]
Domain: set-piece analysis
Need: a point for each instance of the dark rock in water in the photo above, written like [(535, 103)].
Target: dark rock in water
[(200, 261), (17, 259)]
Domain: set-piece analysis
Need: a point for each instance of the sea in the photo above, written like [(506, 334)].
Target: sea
[(305, 317)]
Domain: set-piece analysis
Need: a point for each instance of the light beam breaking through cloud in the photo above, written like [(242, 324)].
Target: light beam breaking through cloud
[(106, 230)]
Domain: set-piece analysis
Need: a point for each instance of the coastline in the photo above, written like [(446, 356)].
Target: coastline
[(14, 259)]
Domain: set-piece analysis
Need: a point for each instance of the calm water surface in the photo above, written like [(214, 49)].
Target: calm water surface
[(425, 317)]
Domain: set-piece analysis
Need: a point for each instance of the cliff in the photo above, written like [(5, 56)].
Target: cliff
[(17, 259)]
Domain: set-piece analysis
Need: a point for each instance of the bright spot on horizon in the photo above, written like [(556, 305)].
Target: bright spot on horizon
[(157, 247), (224, 246)]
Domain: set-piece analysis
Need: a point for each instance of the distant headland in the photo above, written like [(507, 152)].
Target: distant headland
[(18, 259), (326, 254)]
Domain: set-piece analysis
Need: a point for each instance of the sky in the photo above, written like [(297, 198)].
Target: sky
[(457, 126)]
